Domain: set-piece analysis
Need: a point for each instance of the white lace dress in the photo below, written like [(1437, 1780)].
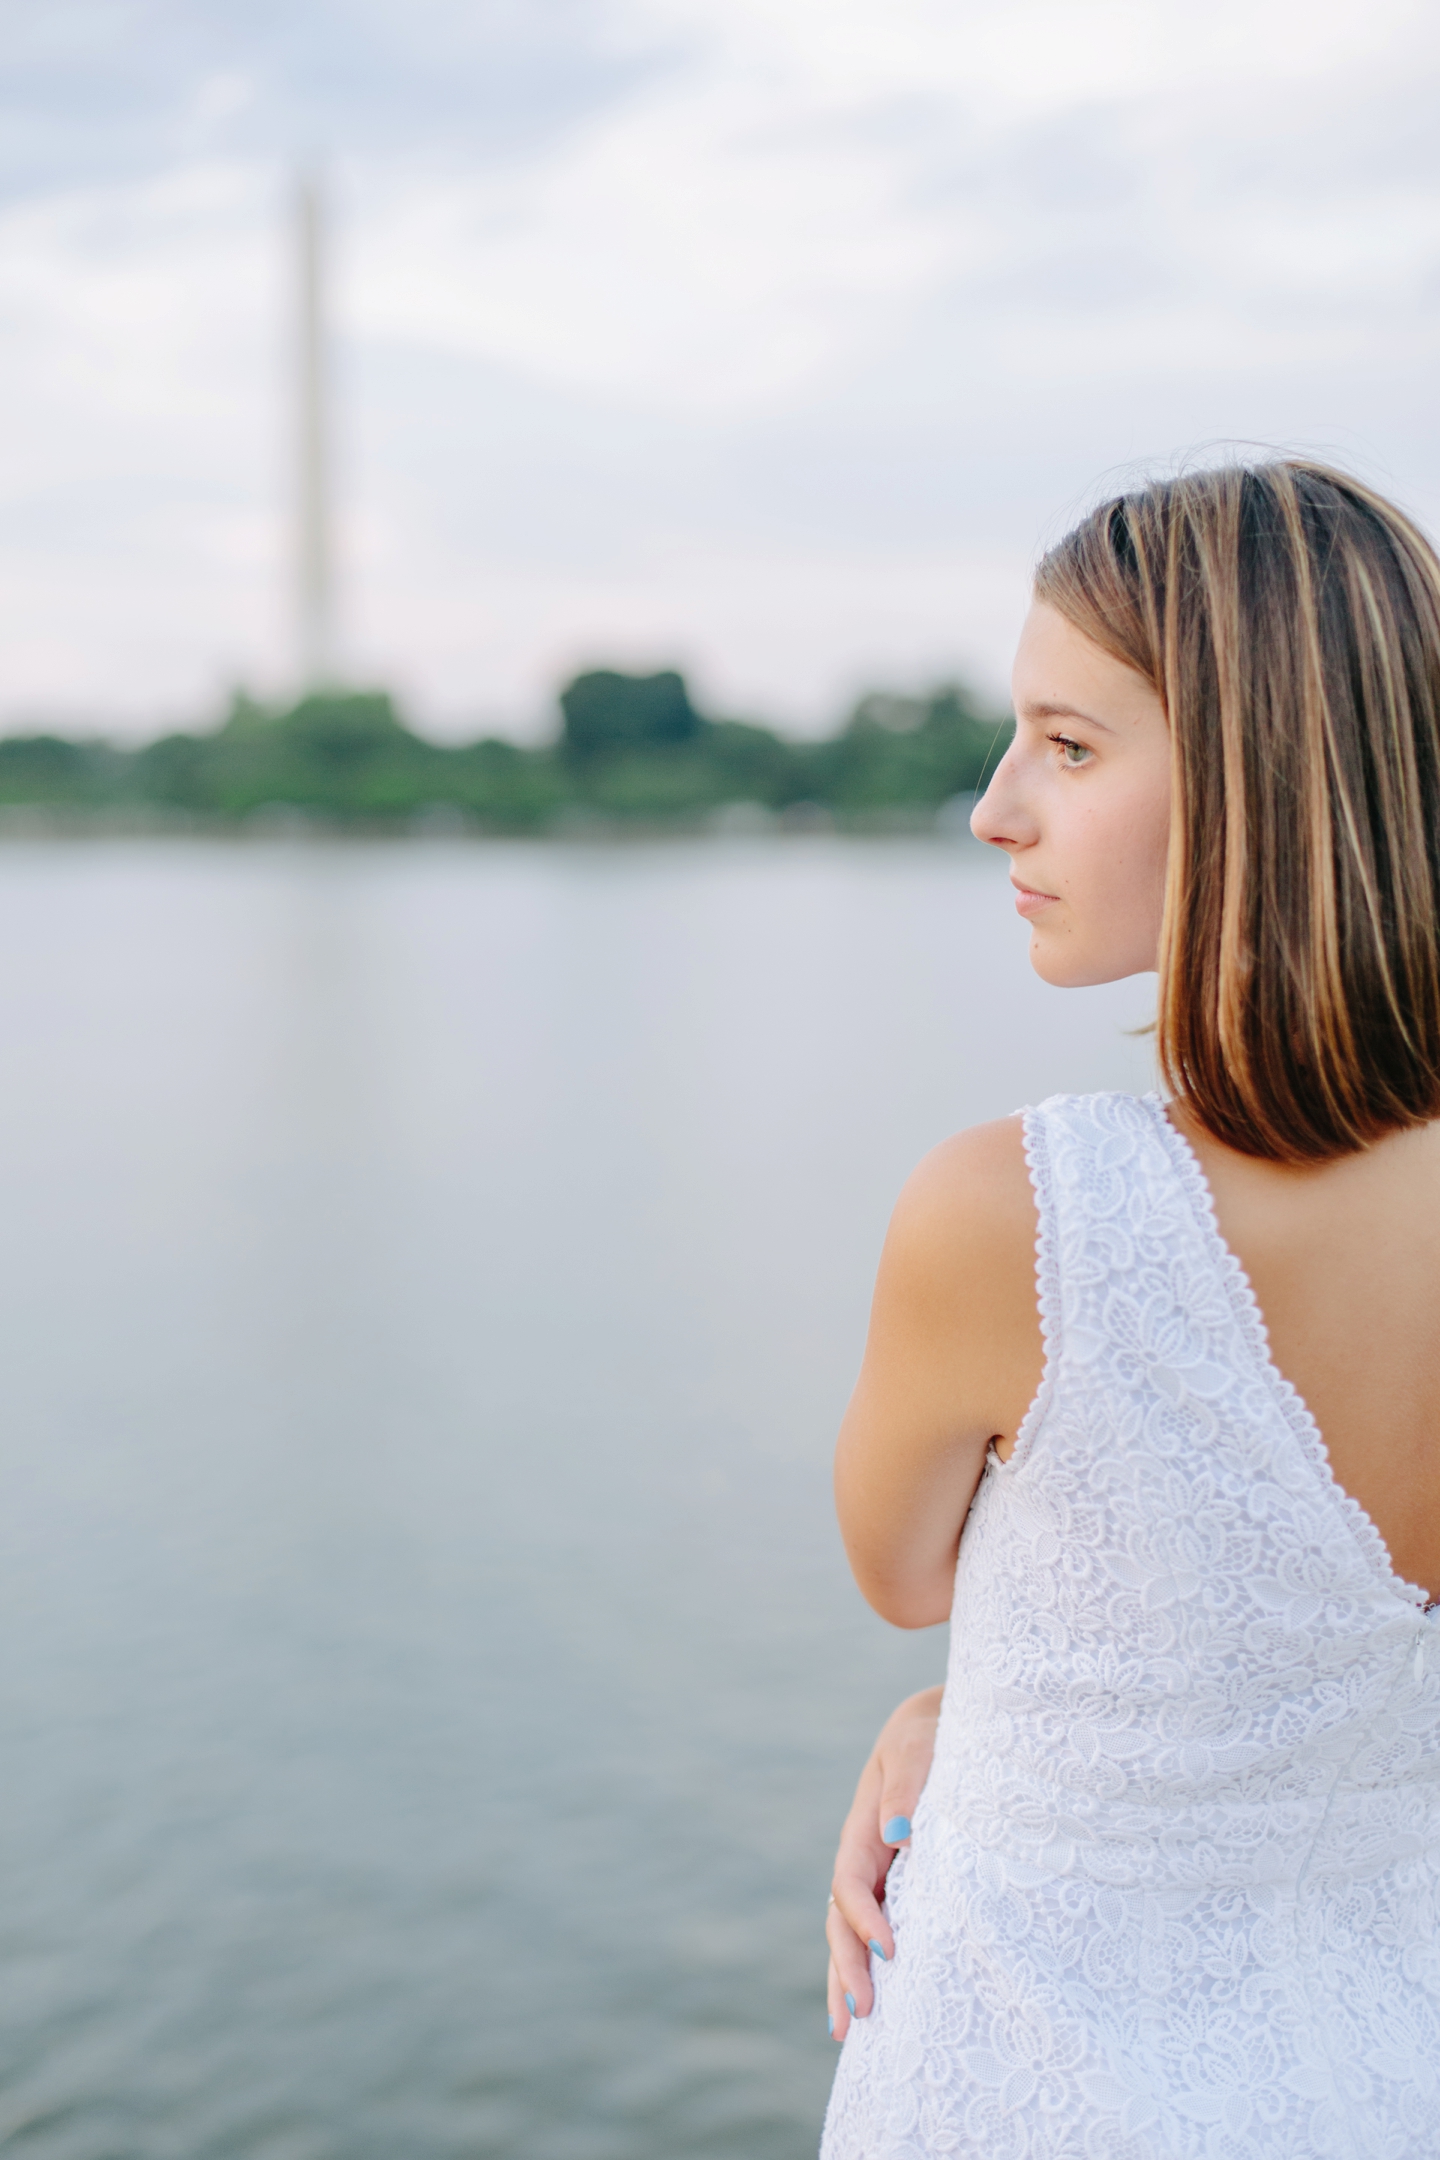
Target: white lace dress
[(1174, 1884)]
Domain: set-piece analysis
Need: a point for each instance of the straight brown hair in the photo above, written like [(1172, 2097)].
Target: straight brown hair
[(1289, 618)]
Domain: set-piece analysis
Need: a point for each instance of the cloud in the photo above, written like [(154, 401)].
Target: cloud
[(699, 249), (770, 335)]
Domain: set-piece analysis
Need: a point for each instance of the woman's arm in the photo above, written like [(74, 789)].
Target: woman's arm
[(953, 1360), (876, 1827)]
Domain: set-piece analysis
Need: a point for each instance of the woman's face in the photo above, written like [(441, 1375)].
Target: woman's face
[(1080, 803)]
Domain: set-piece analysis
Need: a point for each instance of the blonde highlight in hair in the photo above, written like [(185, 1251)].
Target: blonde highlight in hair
[(1289, 619)]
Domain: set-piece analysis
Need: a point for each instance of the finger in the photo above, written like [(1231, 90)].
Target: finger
[(850, 1961), (862, 1862), (837, 2016), (904, 1766), (899, 1797), (859, 1908)]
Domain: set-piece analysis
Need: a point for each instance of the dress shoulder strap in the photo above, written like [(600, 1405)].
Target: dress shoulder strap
[(1094, 1159), (1106, 1190)]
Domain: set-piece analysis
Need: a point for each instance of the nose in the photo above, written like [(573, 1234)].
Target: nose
[(1000, 818)]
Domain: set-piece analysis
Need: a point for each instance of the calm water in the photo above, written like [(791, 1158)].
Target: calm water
[(431, 1277)]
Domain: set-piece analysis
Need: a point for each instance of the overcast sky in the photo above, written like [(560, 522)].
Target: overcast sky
[(769, 338)]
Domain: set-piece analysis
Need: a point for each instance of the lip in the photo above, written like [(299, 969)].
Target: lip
[(1030, 902)]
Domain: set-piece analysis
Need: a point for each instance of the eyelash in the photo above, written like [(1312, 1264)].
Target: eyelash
[(1067, 742)]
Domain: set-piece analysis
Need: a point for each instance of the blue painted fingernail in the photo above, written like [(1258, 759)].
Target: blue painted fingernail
[(896, 1830), (850, 2004), (831, 2024), (878, 1951)]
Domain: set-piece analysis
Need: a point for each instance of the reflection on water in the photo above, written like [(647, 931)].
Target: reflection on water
[(431, 1278)]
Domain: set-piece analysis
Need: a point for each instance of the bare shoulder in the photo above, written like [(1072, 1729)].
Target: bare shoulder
[(967, 1212), (983, 1167), (952, 1362)]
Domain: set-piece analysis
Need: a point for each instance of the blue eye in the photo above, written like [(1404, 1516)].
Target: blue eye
[(1073, 753)]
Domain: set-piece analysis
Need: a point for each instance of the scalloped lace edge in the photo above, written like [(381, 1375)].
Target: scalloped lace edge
[(1047, 1283), (1246, 1306)]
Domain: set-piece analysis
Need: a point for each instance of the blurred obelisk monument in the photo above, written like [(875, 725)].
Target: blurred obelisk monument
[(314, 520)]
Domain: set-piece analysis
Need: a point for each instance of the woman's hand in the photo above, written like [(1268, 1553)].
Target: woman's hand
[(876, 1827)]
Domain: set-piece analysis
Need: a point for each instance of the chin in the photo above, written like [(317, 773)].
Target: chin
[(1065, 968)]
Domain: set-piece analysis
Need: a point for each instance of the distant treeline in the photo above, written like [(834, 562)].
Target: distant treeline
[(632, 750)]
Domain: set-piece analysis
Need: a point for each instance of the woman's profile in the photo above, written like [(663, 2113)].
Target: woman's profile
[(1170, 1885)]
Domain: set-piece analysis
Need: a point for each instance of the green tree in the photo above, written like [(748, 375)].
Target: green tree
[(604, 712), (51, 771)]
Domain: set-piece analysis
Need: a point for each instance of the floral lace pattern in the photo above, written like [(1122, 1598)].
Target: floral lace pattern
[(1173, 1891)]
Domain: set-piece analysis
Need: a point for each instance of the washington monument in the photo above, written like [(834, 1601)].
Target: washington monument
[(314, 534)]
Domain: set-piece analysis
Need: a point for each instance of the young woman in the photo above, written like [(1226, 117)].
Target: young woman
[(1173, 1884)]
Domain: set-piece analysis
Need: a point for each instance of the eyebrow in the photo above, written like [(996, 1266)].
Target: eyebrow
[(1045, 709)]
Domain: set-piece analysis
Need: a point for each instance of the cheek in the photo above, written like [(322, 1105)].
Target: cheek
[(1120, 858)]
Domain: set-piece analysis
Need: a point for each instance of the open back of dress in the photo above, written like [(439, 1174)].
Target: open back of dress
[(1174, 1883)]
